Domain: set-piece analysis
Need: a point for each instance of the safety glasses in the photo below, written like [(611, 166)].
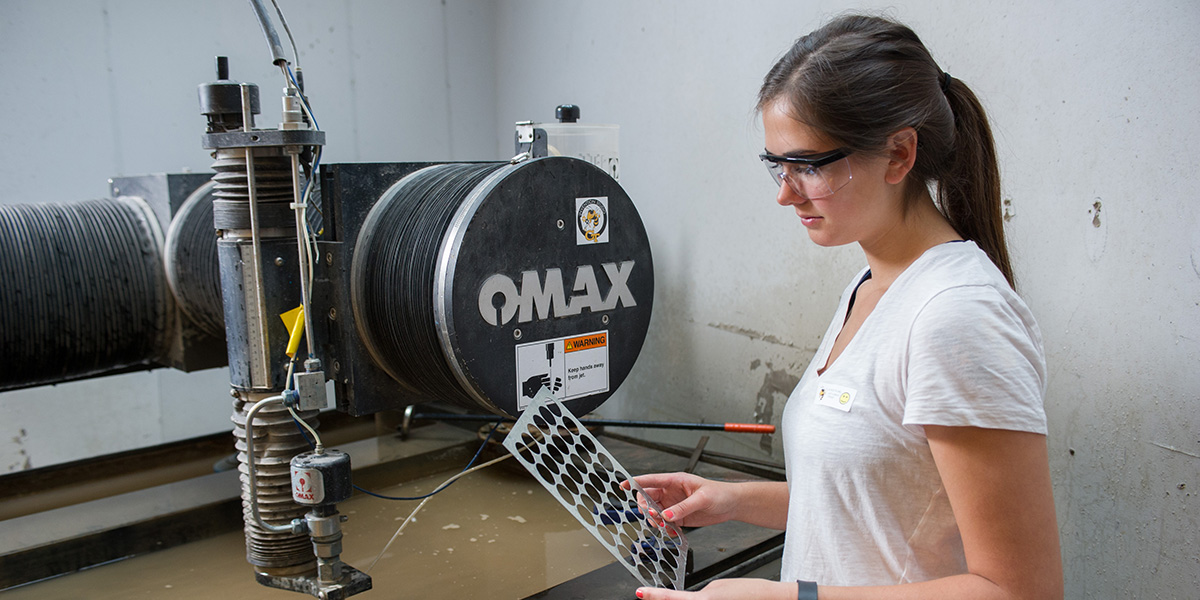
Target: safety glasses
[(810, 177)]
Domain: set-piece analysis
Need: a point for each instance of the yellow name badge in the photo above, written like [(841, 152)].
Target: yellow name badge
[(841, 398)]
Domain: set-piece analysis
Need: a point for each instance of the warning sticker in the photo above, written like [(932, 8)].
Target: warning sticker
[(576, 344), (569, 367)]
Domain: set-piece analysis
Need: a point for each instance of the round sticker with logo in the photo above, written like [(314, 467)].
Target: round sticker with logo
[(592, 219)]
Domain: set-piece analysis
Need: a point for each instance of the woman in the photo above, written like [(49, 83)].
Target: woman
[(915, 442)]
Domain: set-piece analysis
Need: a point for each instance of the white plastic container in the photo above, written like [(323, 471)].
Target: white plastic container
[(596, 144)]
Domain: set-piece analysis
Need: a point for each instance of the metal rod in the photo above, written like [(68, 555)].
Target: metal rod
[(731, 427), (771, 471), (696, 454), (708, 454), (302, 241), (256, 250), (251, 468)]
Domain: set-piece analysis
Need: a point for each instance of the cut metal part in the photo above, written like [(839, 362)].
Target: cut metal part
[(585, 478), (352, 582)]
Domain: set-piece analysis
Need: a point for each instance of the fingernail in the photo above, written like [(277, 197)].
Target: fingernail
[(639, 593), (668, 514)]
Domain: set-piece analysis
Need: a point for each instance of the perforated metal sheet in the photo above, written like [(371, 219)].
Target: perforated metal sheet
[(582, 475)]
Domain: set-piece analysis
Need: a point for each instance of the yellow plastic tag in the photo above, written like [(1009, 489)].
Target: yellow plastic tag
[(294, 321)]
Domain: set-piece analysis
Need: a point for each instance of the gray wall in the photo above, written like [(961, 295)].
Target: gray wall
[(1094, 108)]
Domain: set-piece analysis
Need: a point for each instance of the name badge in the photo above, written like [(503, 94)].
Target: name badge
[(841, 398)]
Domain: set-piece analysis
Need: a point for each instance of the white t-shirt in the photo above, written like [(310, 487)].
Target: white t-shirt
[(949, 343)]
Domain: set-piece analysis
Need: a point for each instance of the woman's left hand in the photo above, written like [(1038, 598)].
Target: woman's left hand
[(759, 589)]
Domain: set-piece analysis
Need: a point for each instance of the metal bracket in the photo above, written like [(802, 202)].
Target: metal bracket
[(530, 141), (524, 132), (311, 388)]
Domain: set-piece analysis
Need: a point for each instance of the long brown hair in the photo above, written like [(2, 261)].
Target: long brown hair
[(861, 78)]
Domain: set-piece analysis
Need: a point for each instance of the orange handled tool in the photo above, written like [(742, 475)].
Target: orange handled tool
[(749, 428)]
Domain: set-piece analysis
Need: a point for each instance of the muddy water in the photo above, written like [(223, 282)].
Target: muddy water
[(493, 534)]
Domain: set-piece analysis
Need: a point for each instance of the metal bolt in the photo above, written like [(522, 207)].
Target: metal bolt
[(516, 334), (333, 314), (337, 366), (604, 319), (561, 224), (232, 393), (279, 261), (329, 258)]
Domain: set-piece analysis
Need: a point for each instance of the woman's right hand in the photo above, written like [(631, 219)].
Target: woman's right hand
[(688, 500)]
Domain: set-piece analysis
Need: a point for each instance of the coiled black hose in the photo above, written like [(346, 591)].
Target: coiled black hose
[(82, 290), (393, 275), (191, 262)]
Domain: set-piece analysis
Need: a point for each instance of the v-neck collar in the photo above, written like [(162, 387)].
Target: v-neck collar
[(826, 365)]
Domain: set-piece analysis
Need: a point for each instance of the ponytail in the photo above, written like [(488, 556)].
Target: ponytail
[(860, 78), (968, 193)]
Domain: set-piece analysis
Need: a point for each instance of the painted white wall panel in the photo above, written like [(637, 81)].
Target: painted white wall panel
[(1094, 109)]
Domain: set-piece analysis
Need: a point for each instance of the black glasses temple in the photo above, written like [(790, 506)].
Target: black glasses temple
[(817, 161)]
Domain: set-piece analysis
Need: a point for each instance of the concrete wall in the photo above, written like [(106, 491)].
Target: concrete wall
[(1094, 110), (1094, 107)]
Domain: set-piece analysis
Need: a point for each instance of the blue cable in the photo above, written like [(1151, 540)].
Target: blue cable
[(316, 126), (309, 182), (303, 98), (370, 493), (466, 468)]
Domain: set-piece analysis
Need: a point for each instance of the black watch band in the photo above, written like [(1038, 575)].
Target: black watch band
[(806, 590)]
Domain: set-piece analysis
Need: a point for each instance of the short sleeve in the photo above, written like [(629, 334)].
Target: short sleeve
[(975, 358)]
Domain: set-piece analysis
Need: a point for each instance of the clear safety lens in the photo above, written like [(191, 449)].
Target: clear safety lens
[(810, 179)]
